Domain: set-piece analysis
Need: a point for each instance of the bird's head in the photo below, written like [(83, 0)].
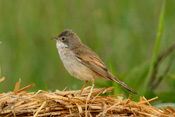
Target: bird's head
[(68, 38)]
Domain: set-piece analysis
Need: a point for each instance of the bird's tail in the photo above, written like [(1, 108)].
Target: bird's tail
[(123, 84)]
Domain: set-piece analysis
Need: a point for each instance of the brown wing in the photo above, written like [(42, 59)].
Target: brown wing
[(91, 60)]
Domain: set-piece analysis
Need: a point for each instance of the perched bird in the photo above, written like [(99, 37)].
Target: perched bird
[(81, 62)]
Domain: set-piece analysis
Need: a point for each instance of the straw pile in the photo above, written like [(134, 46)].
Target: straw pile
[(72, 104)]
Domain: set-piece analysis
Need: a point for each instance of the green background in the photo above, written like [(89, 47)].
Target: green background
[(122, 32)]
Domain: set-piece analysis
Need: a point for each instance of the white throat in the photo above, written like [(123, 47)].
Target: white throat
[(61, 45)]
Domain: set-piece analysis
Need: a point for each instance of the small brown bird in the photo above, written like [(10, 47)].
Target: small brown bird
[(81, 62)]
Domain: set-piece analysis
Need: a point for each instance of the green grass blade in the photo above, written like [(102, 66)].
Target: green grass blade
[(117, 89), (157, 45), (0, 72)]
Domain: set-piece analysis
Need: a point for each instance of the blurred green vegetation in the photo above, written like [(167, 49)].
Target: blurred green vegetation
[(122, 32)]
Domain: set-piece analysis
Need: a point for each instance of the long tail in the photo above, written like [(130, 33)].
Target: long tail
[(123, 84)]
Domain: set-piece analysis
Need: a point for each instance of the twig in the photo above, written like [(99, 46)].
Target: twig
[(26, 87), (89, 95), (39, 109), (158, 62), (142, 102), (155, 85), (17, 86)]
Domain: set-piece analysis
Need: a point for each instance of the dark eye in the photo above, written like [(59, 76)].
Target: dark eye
[(63, 38)]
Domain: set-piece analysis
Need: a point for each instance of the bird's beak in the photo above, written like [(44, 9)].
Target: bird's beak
[(55, 38)]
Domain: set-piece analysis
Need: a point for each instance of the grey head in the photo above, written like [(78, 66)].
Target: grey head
[(69, 38)]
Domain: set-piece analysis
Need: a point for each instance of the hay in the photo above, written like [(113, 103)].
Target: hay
[(71, 103)]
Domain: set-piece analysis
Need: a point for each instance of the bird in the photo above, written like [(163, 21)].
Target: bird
[(82, 62)]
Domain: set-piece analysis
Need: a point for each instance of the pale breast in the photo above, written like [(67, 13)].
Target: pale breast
[(73, 65)]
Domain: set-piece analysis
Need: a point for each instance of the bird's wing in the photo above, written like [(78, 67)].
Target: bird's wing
[(89, 58)]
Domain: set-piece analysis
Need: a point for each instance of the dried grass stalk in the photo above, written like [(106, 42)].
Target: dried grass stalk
[(71, 103)]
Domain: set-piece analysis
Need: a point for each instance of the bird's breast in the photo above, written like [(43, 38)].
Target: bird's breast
[(73, 65)]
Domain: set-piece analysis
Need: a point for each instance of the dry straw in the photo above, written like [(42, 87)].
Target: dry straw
[(72, 104)]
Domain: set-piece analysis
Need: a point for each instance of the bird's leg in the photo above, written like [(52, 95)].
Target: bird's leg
[(83, 87), (92, 82)]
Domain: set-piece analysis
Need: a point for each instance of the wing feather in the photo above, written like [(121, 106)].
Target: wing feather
[(92, 60)]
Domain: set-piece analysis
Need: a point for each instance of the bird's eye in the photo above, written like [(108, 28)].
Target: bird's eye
[(63, 39)]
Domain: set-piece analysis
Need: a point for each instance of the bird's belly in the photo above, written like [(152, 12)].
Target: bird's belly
[(74, 66)]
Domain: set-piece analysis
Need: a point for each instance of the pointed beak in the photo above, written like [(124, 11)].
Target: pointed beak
[(55, 38)]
